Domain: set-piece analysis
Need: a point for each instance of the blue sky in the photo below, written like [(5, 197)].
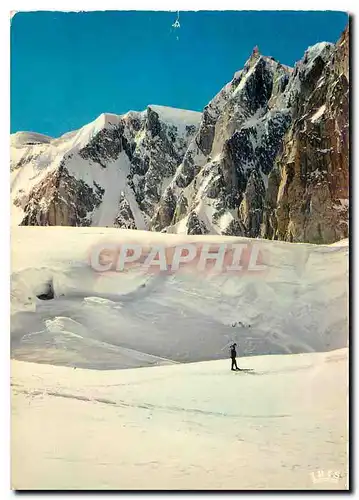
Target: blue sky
[(67, 68)]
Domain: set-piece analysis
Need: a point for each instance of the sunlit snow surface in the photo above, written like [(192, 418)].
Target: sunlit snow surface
[(178, 426), (123, 320), (189, 426)]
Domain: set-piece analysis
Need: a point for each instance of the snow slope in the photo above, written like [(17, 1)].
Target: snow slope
[(193, 426), (124, 320)]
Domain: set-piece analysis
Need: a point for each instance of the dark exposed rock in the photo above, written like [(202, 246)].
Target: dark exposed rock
[(251, 208), (195, 225), (216, 187), (167, 150), (61, 200), (166, 211), (105, 146), (124, 218), (181, 208), (312, 201), (206, 134), (269, 225), (234, 228), (153, 124)]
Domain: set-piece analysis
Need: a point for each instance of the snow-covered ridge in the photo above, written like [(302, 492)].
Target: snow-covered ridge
[(104, 161), (19, 139), (176, 115), (172, 116)]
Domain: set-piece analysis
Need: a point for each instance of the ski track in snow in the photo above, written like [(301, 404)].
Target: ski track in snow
[(189, 426)]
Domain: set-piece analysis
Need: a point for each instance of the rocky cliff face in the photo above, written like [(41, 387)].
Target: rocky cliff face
[(268, 157), (308, 198), (111, 172)]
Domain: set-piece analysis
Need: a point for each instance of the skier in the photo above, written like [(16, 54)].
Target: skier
[(233, 357)]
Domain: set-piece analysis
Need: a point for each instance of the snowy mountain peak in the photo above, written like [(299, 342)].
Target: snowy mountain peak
[(106, 120), (110, 172), (236, 169), (232, 178), (322, 49)]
